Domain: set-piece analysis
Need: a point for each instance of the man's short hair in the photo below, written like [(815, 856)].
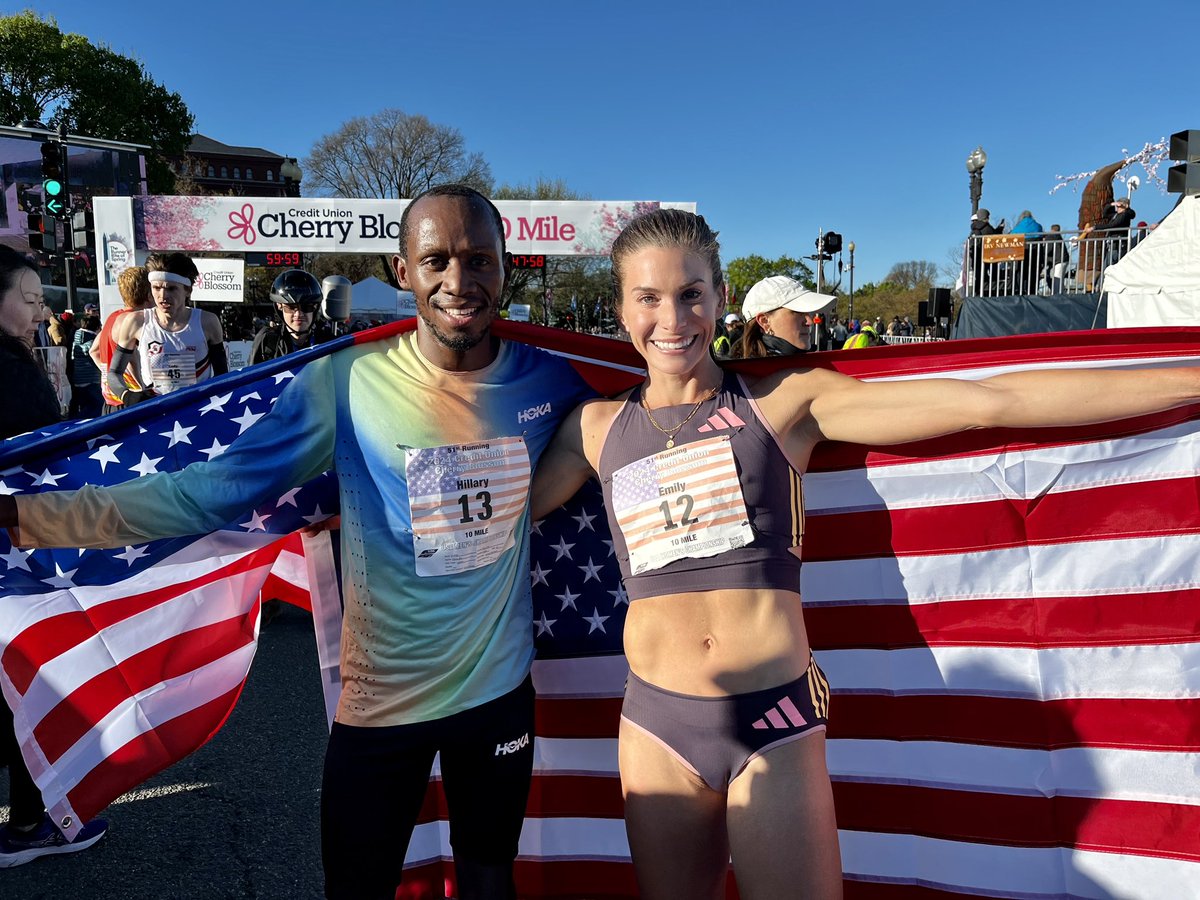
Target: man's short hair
[(451, 190), (134, 287)]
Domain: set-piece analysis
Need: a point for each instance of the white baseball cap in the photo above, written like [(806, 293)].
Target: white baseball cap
[(780, 291)]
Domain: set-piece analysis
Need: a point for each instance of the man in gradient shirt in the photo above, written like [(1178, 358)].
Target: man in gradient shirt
[(433, 436)]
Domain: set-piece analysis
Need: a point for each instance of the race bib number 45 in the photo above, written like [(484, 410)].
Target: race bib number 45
[(682, 502), (465, 501)]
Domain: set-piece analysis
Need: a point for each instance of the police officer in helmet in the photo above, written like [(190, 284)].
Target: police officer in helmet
[(297, 296)]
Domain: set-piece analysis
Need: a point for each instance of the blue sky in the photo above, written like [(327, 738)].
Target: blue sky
[(778, 119)]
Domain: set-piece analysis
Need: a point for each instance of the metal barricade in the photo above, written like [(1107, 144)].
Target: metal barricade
[(1051, 263)]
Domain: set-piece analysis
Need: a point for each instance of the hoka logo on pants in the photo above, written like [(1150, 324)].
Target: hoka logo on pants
[(513, 746)]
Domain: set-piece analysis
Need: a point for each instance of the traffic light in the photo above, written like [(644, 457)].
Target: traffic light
[(1185, 147), (83, 229), (833, 242), (54, 187), (42, 234)]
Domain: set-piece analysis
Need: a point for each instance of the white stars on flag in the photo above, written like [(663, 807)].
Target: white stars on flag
[(590, 571), (61, 579), (178, 434), (562, 548), (246, 419), (146, 466), (257, 522), (543, 625), (539, 574), (131, 555), (584, 520), (288, 499), (105, 455), (620, 598), (281, 377), (216, 404), (215, 450), (47, 478), (16, 559), (567, 598), (596, 621)]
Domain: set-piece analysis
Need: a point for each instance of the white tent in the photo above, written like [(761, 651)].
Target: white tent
[(375, 299), (1158, 281)]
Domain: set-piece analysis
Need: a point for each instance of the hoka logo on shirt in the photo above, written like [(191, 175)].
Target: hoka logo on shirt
[(532, 413), (513, 746)]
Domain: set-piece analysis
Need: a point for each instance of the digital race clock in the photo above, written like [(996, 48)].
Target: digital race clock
[(276, 260), (528, 262)]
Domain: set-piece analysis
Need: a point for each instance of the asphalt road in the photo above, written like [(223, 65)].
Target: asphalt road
[(236, 819)]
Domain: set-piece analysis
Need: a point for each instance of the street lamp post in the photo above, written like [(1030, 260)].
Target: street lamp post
[(850, 314), (975, 163)]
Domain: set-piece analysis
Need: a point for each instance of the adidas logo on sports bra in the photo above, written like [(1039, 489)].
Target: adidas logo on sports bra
[(724, 419)]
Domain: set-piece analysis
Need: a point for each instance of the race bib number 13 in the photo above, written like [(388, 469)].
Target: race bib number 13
[(465, 501), (683, 502)]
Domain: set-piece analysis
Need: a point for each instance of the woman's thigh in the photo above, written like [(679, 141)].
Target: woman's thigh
[(782, 829), (675, 822)]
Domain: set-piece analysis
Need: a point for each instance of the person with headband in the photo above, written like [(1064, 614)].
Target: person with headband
[(722, 734), (175, 344)]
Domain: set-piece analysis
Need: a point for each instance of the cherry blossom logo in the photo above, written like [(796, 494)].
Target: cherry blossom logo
[(243, 225)]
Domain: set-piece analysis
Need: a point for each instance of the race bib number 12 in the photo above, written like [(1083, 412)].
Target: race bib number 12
[(465, 501), (683, 502)]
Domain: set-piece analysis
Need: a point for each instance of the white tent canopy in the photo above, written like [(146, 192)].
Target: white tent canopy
[(374, 299), (1158, 281)]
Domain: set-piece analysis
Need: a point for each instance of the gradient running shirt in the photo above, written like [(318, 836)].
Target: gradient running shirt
[(415, 646)]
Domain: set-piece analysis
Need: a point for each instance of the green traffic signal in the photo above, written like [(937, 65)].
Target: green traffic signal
[(51, 187)]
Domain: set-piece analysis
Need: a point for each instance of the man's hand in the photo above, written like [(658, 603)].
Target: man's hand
[(331, 524), (8, 512), (131, 398)]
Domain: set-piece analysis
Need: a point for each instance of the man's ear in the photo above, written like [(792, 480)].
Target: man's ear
[(400, 269)]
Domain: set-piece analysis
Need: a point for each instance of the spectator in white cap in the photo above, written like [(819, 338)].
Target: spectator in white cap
[(779, 315)]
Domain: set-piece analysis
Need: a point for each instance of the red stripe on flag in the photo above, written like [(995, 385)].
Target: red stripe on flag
[(1085, 823), (47, 639), (150, 753), (276, 588), (550, 796), (92, 701), (1136, 724), (541, 879), (1109, 512), (884, 890), (1165, 617), (576, 718)]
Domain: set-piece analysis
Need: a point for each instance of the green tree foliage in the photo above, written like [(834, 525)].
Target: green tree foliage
[(392, 155), (745, 271), (59, 78)]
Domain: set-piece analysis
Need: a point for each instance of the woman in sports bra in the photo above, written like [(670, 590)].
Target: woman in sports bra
[(722, 744)]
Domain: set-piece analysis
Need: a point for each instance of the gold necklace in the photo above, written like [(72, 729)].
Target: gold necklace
[(674, 431)]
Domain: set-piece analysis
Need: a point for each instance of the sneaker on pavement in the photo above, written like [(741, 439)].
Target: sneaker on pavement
[(18, 848)]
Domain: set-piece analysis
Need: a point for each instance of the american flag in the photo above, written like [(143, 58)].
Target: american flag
[(118, 663), (1009, 623)]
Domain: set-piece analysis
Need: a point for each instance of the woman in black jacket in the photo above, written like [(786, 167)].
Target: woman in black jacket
[(27, 401)]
